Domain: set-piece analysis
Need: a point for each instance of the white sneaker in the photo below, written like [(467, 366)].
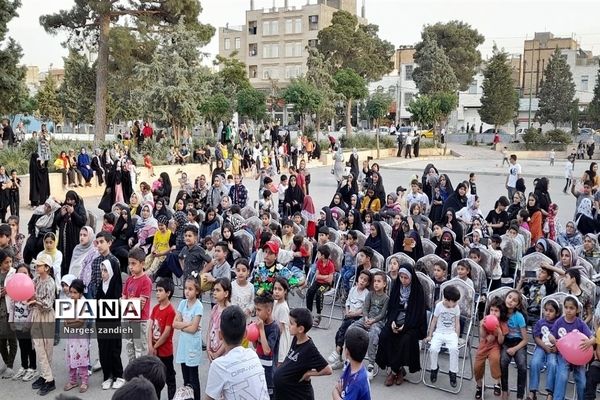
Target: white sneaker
[(29, 375), (107, 384), (337, 365), (333, 357), (8, 373), (371, 371), (19, 374), (118, 383)]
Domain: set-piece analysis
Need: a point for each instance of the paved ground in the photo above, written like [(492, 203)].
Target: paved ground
[(395, 172)]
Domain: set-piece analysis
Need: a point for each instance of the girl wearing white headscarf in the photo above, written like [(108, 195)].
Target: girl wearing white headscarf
[(338, 164), (80, 252), (146, 225)]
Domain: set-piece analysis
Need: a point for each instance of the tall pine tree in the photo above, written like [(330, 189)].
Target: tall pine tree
[(49, 107), (556, 91), (433, 73), (594, 107), (12, 76), (499, 100)]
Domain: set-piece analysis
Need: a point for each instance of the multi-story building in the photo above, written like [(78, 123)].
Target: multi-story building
[(273, 41)]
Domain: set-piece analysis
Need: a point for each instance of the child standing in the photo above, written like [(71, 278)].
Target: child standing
[(489, 348), (160, 331), (20, 316), (515, 344), (268, 340), (242, 292), (222, 297), (353, 312), (292, 378), (42, 319), (138, 286), (162, 244), (373, 316), (281, 314), (322, 283), (544, 354), (350, 251), (78, 346), (563, 325), (445, 330), (354, 383), (148, 164), (187, 320)]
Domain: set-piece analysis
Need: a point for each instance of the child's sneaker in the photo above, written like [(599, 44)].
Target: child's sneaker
[(47, 388), (118, 383), (337, 365), (29, 375), (19, 374), (317, 320), (452, 379), (107, 384), (334, 357), (433, 375), (371, 371)]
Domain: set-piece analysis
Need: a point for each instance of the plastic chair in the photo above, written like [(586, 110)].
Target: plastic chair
[(403, 258), (426, 263), (428, 246), (361, 238), (248, 212)]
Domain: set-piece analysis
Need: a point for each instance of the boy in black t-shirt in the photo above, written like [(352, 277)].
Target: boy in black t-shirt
[(292, 378), (268, 341)]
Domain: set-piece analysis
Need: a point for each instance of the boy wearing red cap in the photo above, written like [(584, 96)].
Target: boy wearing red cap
[(266, 272)]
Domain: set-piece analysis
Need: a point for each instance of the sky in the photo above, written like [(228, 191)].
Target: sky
[(504, 22)]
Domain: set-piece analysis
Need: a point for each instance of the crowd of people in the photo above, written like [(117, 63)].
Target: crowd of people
[(367, 249)]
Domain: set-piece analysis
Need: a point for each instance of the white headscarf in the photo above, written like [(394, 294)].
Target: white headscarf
[(105, 283), (46, 220), (81, 251)]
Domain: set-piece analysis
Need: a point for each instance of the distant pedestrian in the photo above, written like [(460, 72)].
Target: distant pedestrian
[(514, 174), (552, 156), (505, 156), (408, 145), (590, 150)]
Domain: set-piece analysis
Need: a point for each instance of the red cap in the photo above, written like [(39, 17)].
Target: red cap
[(273, 246)]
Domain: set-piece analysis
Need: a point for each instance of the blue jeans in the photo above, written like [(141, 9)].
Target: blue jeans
[(562, 378), (538, 360), (347, 274)]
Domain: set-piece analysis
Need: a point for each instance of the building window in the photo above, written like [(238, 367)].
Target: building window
[(270, 73), (270, 28), (293, 71), (408, 71), (313, 22), (270, 50), (408, 97), (227, 44), (298, 25), (473, 87), (252, 71), (252, 27), (237, 43), (289, 26), (584, 83), (252, 49), (293, 49), (313, 42)]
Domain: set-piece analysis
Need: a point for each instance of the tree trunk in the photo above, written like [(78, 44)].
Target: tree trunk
[(377, 136), (318, 127), (349, 117), (102, 79)]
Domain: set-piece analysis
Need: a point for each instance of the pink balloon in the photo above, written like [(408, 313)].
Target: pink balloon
[(20, 287), (568, 346), (252, 333), (491, 323)]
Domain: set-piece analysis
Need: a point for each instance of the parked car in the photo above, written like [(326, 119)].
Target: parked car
[(426, 133), (492, 131), (343, 130), (404, 130), (586, 131)]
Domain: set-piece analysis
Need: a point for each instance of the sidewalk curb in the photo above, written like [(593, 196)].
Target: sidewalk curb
[(464, 171)]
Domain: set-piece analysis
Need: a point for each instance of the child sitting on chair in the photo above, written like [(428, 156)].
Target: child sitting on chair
[(445, 330)]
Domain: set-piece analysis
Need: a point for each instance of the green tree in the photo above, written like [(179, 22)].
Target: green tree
[(499, 101), (422, 111), (349, 44), (593, 110), (351, 86), (305, 97), (320, 77), (459, 42), (12, 75), (557, 91), (216, 108), (251, 103), (90, 21), (76, 94), (432, 109), (49, 107), (378, 105), (175, 83), (433, 73)]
